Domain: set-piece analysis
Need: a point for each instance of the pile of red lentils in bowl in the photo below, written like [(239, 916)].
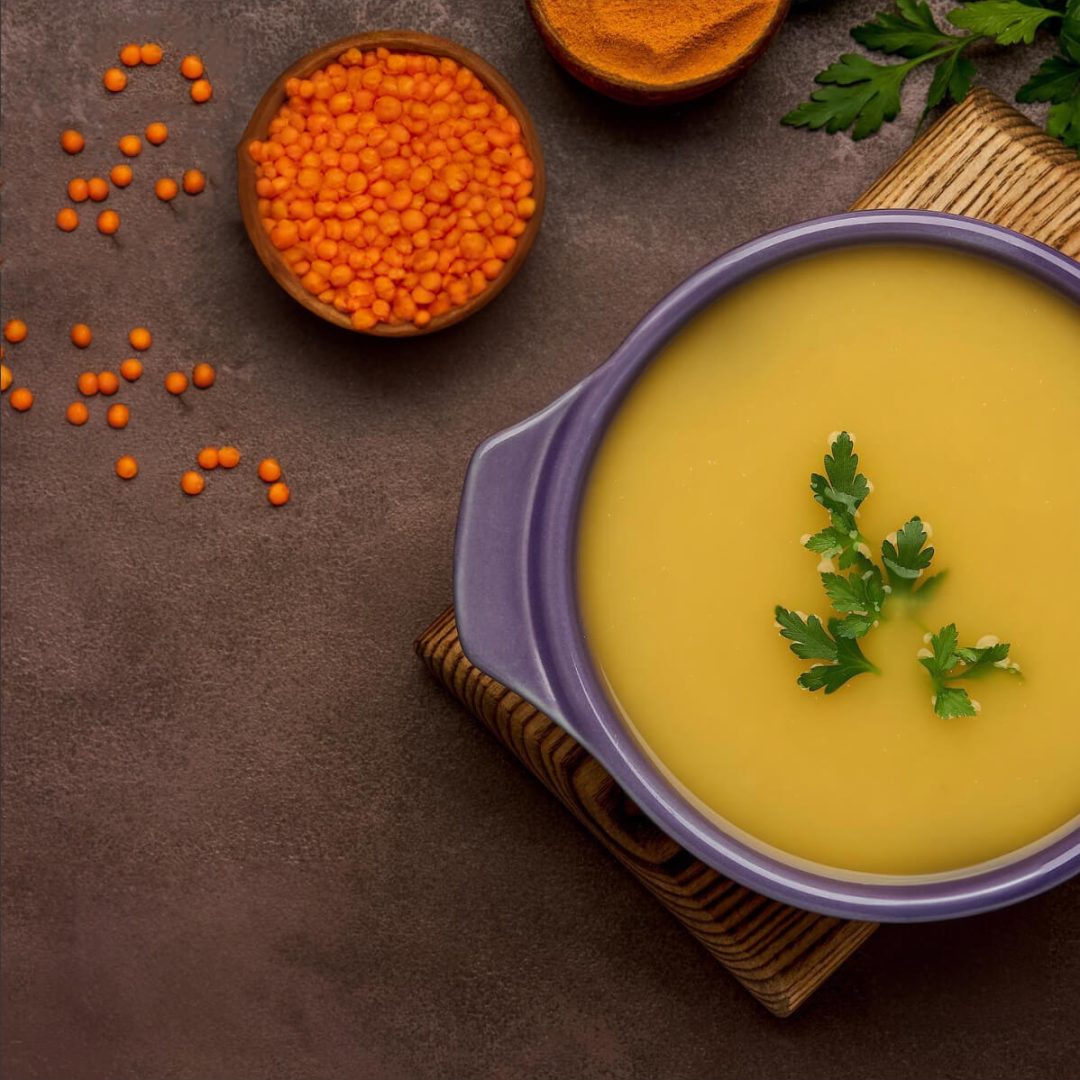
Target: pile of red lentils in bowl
[(395, 185)]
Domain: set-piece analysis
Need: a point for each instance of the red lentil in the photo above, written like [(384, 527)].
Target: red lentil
[(127, 468), (387, 168)]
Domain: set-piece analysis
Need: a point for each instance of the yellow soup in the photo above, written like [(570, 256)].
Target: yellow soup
[(961, 382)]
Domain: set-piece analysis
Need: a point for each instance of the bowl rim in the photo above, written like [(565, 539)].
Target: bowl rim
[(405, 41), (636, 91), (569, 679)]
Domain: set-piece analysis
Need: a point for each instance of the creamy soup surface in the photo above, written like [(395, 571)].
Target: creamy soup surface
[(961, 382)]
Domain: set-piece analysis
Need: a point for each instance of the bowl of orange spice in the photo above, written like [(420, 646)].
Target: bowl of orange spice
[(391, 182), (647, 53)]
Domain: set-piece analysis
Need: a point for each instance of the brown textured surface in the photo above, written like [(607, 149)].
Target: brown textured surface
[(244, 834), (780, 955)]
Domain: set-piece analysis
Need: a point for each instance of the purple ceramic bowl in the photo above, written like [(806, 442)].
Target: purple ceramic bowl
[(516, 603)]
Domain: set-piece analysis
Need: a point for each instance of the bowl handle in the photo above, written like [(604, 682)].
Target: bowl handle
[(491, 556)]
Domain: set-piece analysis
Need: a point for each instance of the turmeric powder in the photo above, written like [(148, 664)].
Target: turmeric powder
[(657, 44)]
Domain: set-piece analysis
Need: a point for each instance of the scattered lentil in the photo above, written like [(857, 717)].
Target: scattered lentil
[(191, 483), (108, 222), (127, 468), (269, 470), (72, 141), (20, 399), (15, 330), (208, 457), (114, 79), (131, 369), (156, 133), (81, 335), (108, 383), (77, 414), (228, 457), (121, 175), (191, 67), (78, 190), (5, 377), (118, 416), (201, 91), (67, 220), (130, 145), (130, 56), (166, 189), (194, 181), (203, 376), (140, 338), (97, 189), (278, 494), (176, 382), (87, 383), (151, 54)]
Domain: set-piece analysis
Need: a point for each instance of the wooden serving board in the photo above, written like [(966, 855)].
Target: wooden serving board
[(982, 159)]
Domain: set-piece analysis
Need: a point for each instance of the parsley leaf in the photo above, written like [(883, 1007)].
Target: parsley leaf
[(905, 556), (846, 487), (1069, 38), (1008, 22), (858, 94), (1057, 79), (811, 641), (860, 596), (910, 32), (829, 542), (943, 655), (841, 491), (855, 91), (862, 95), (947, 661), (951, 702), (952, 79), (1063, 121)]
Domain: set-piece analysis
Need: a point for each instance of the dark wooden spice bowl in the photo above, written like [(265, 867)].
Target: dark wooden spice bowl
[(642, 93), (259, 125)]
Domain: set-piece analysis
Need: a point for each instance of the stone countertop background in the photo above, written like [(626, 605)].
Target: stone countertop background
[(244, 835)]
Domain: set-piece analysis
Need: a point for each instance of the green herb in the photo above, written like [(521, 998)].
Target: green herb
[(811, 641), (862, 596), (1008, 22), (906, 556), (841, 491), (858, 94), (947, 662)]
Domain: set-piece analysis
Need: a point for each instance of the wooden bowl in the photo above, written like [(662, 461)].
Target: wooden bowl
[(259, 124), (642, 93)]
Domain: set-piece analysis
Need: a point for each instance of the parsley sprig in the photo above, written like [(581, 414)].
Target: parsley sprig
[(861, 596), (948, 661), (859, 94), (843, 659)]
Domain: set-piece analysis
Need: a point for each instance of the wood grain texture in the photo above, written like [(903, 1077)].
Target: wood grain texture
[(982, 159)]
